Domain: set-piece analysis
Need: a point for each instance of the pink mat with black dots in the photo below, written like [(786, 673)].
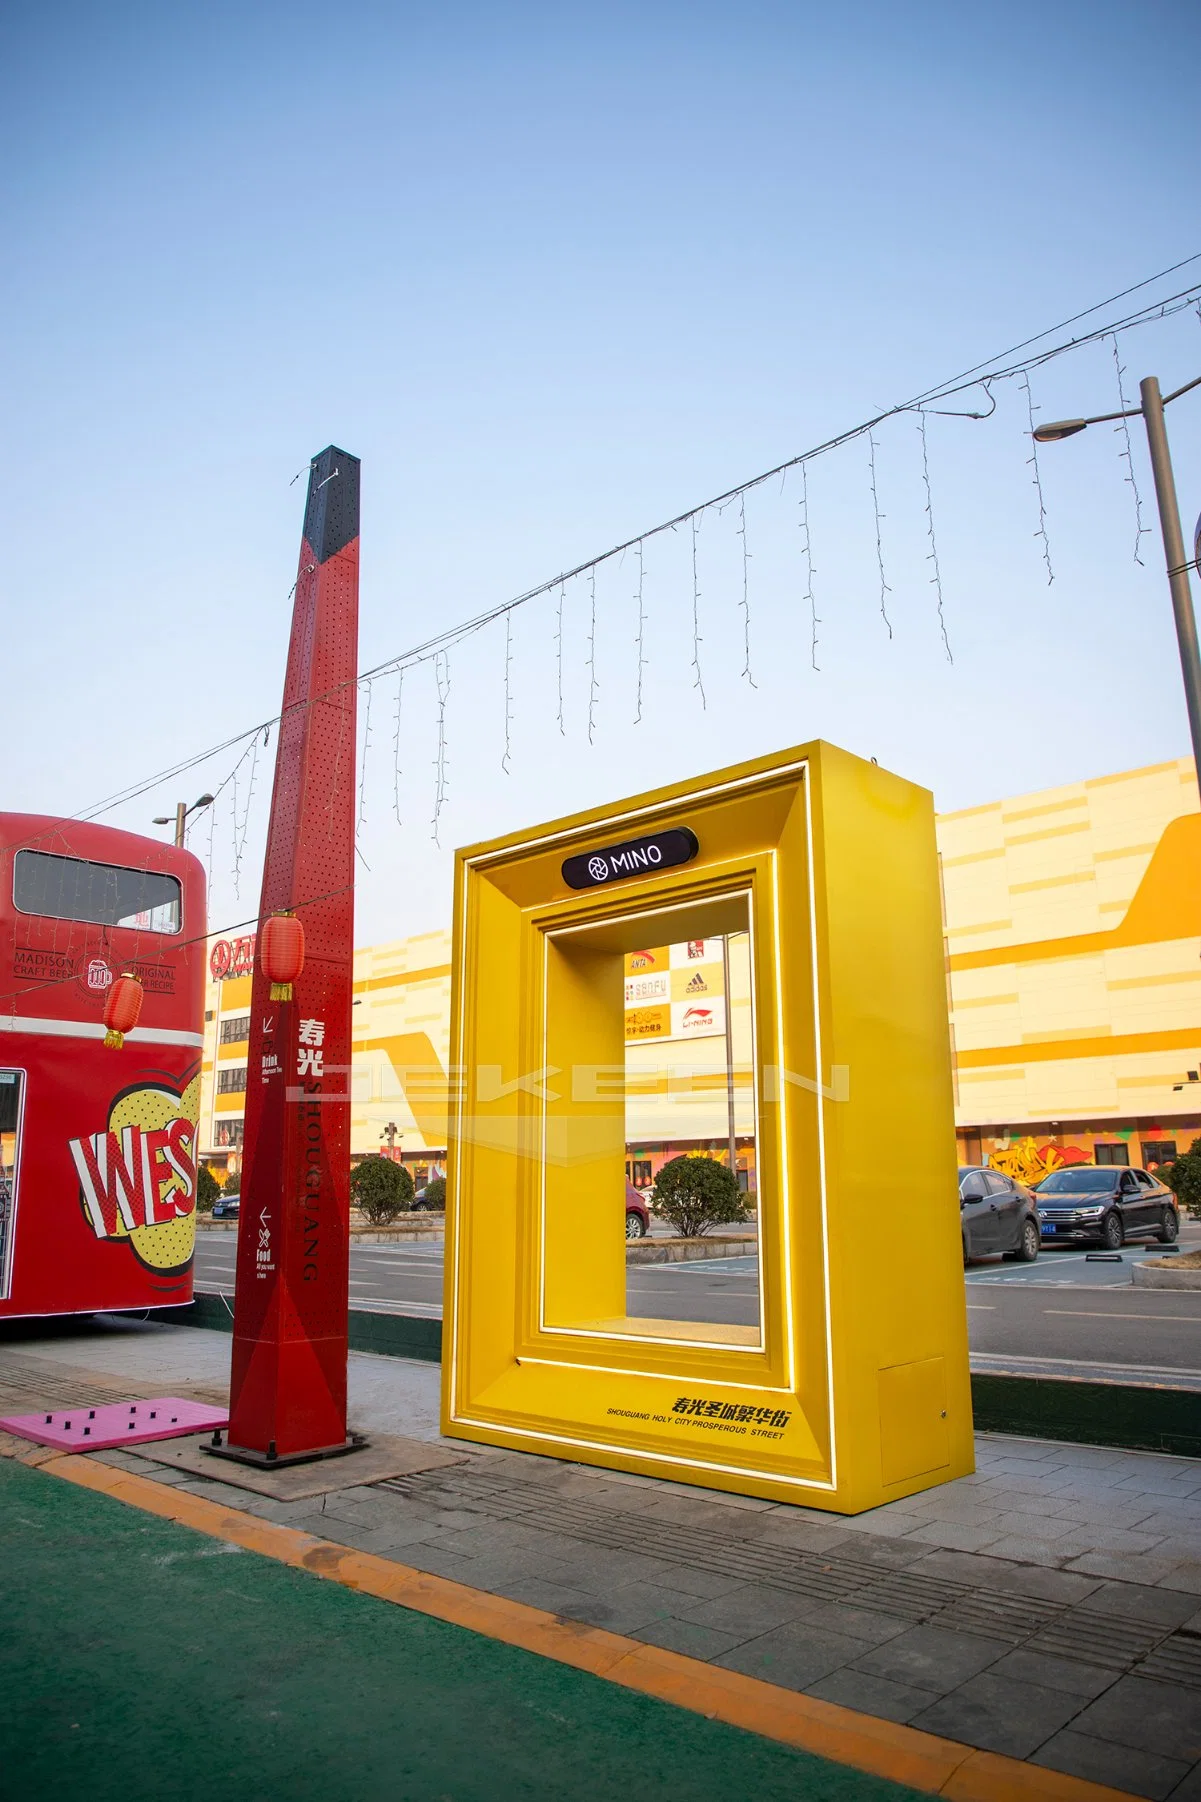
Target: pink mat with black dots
[(118, 1423)]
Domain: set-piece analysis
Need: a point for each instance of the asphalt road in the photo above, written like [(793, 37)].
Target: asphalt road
[(1062, 1307)]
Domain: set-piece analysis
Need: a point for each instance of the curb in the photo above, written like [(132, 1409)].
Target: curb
[(1165, 1276), (862, 1742), (684, 1251), (388, 1335), (1136, 1417)]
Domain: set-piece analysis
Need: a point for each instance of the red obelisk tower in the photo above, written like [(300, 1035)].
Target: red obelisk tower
[(288, 1379)]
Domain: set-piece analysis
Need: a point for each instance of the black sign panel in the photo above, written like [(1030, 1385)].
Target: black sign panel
[(635, 857)]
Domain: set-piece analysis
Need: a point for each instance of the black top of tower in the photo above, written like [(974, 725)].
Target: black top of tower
[(331, 517)]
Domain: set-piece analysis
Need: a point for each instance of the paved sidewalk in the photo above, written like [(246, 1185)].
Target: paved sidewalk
[(1047, 1608)]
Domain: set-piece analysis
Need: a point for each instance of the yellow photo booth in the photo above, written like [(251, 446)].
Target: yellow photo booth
[(814, 1027)]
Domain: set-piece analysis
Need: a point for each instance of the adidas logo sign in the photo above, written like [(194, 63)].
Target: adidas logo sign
[(698, 986)]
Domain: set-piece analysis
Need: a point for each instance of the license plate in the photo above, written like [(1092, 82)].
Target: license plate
[(1047, 1227)]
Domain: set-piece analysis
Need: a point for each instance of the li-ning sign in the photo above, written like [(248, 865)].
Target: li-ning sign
[(844, 1383), (636, 857), (232, 957)]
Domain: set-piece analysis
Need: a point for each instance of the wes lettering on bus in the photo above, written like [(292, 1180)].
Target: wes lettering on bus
[(98, 1145)]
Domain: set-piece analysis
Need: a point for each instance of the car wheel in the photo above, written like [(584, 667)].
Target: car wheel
[(1027, 1251), (635, 1226), (1113, 1233), (1170, 1227)]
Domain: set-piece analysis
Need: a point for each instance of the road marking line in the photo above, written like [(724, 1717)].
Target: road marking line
[(981, 1307), (1109, 1314), (926, 1762)]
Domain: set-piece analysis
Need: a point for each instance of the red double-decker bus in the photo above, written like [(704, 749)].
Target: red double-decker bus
[(98, 1147)]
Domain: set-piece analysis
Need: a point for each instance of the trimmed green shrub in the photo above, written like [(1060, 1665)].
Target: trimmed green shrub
[(1184, 1179), (207, 1190), (694, 1193), (381, 1189)]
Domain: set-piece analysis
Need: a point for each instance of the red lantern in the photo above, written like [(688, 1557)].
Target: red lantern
[(281, 953), (122, 1006)]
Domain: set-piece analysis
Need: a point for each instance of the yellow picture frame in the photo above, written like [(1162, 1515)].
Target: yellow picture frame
[(854, 1387)]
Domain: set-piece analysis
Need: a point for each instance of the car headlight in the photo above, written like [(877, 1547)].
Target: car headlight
[(1092, 1212)]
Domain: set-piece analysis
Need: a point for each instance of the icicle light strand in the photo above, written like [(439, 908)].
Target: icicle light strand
[(932, 557), (885, 590), (442, 685), (396, 769), (807, 547), (505, 760), (1037, 478), (698, 680), (746, 594), (641, 639), (1122, 428)]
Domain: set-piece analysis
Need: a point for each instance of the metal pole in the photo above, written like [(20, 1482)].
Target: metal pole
[(729, 1013), (181, 815), (1173, 544)]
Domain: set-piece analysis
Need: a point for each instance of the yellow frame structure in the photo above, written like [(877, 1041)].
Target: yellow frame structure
[(854, 1388)]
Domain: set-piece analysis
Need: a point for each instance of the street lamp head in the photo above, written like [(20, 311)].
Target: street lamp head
[(160, 819), (1060, 428), (204, 801)]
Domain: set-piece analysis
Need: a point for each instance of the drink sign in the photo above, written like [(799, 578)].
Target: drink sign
[(634, 857)]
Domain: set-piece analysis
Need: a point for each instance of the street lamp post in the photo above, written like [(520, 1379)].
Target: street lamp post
[(182, 810), (1151, 412)]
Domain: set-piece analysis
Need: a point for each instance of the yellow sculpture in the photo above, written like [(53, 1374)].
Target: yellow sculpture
[(852, 1388)]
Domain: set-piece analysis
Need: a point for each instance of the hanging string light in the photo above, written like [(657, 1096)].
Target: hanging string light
[(807, 551), (1036, 477), (1014, 363), (746, 595), (559, 653), (885, 590), (442, 686), (504, 762), (1122, 428), (932, 556), (396, 769), (640, 640), (698, 680), (361, 811)]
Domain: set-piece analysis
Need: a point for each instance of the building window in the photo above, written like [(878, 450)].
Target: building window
[(1111, 1154), (235, 1030), (229, 1134), (232, 1080), (1158, 1151)]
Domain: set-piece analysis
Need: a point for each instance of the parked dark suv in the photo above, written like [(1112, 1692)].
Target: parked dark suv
[(1105, 1202), (996, 1215)]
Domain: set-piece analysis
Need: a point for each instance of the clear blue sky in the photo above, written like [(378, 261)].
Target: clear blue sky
[(556, 273)]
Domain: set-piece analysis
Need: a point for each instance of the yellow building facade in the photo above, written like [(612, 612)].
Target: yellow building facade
[(1073, 931), (1073, 937)]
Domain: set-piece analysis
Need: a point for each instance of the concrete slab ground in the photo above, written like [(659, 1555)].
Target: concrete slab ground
[(1047, 1608)]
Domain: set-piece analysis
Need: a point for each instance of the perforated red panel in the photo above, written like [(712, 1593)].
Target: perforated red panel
[(288, 1379)]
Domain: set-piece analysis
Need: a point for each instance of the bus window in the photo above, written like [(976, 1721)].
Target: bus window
[(105, 894), (10, 1131)]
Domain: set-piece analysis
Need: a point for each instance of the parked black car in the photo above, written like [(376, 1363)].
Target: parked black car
[(996, 1215), (226, 1206), (1105, 1202)]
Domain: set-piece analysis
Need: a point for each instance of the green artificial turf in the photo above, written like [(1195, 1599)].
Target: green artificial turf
[(139, 1658)]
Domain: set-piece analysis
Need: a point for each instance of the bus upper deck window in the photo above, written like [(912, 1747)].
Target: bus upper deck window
[(104, 894)]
